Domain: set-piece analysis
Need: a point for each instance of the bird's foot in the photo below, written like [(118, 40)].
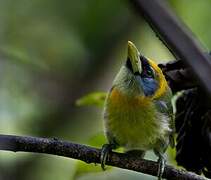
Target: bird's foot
[(106, 148), (161, 166)]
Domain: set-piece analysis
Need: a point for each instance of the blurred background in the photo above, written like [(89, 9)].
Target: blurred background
[(52, 53)]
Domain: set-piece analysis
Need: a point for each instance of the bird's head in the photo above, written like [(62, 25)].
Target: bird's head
[(140, 76)]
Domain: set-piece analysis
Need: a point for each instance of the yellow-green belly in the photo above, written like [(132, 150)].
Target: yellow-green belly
[(133, 123)]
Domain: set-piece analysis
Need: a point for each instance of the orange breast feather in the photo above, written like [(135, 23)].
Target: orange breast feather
[(117, 98)]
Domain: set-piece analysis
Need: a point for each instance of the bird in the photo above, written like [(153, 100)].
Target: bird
[(138, 113)]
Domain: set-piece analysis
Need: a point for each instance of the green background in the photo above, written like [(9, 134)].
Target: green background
[(53, 52)]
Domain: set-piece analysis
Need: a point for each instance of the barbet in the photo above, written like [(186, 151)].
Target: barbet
[(138, 112)]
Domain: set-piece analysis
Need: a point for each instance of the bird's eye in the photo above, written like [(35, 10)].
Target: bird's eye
[(149, 73)]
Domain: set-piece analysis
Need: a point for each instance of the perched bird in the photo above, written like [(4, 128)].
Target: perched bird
[(138, 112)]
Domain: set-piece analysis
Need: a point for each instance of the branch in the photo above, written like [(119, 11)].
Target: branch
[(179, 76), (89, 155), (176, 37)]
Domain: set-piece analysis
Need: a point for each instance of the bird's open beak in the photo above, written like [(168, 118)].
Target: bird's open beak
[(133, 55)]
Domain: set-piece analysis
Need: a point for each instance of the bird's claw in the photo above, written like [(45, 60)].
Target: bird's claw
[(161, 166), (106, 148)]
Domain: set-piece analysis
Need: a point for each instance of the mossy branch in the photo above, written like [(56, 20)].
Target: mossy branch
[(89, 155)]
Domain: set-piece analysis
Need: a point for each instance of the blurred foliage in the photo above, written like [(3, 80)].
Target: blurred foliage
[(54, 52), (83, 168), (92, 99)]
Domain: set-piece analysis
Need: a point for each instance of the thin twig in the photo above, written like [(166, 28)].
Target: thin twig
[(89, 155)]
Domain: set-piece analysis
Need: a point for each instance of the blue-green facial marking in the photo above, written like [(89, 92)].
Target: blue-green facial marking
[(146, 79), (149, 85)]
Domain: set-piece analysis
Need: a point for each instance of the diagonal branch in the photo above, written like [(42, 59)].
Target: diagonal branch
[(176, 37), (89, 155), (179, 76)]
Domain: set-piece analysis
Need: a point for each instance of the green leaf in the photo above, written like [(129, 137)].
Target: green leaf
[(83, 168), (92, 99), (171, 152), (97, 140)]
